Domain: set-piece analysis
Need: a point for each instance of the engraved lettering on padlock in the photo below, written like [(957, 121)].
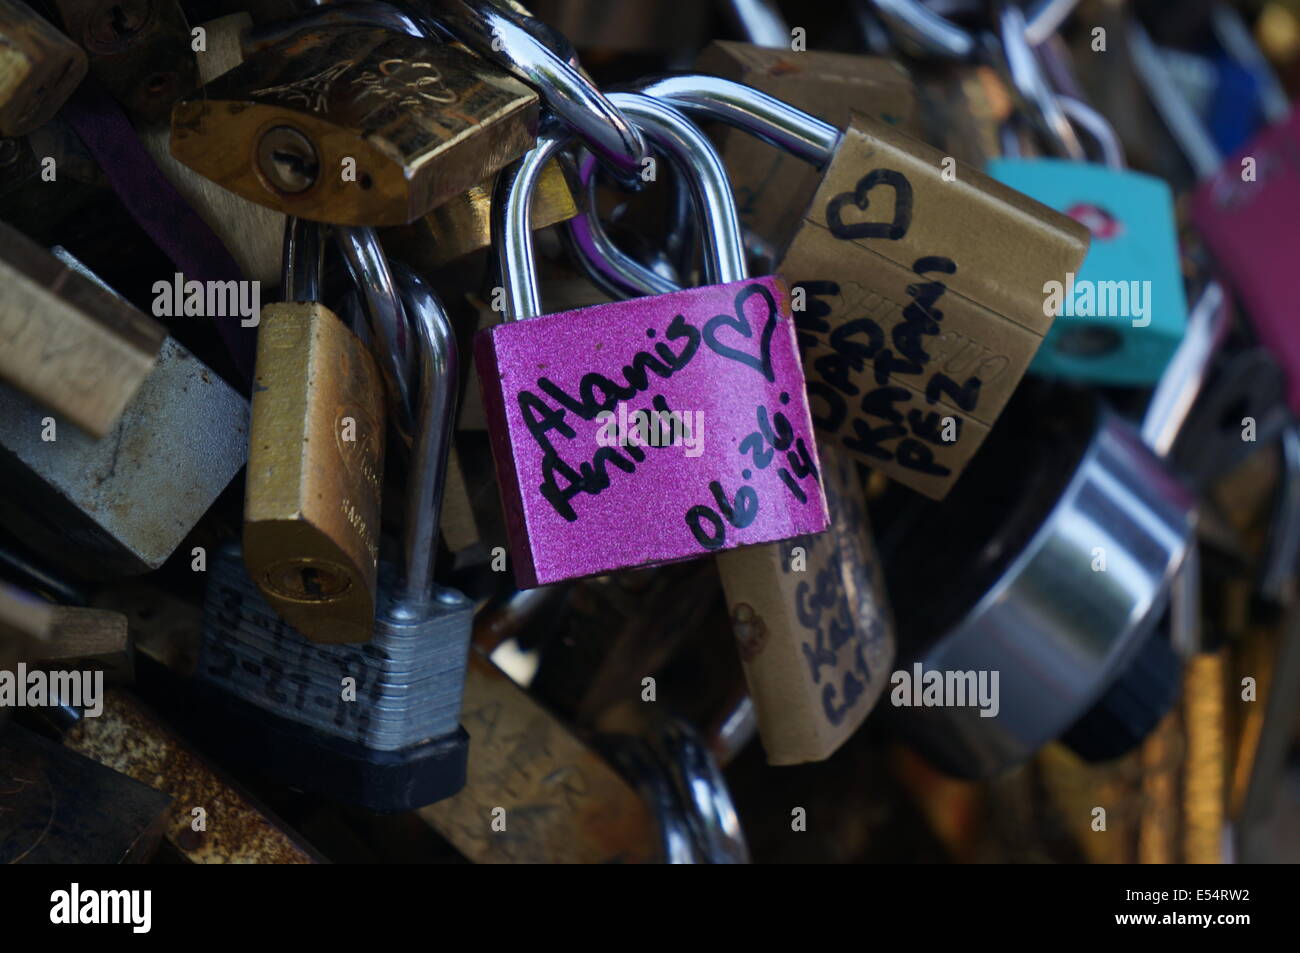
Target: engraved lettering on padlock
[(420, 121)]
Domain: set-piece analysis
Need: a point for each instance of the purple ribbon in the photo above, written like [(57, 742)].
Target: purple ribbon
[(156, 206)]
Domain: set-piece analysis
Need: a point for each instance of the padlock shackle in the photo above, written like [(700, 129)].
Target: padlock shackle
[(1186, 127), (759, 21), (513, 42), (435, 384), (512, 232), (606, 264), (753, 111), (689, 152), (918, 24), (1098, 126), (684, 144), (390, 342), (1030, 81), (1185, 374), (353, 13), (300, 261), (692, 154), (938, 36)]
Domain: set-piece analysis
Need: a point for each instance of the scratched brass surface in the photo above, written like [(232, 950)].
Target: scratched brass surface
[(563, 803), (67, 343), (422, 122), (311, 513)]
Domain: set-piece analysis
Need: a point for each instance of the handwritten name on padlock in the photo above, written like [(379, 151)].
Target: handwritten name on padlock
[(722, 357), (896, 262)]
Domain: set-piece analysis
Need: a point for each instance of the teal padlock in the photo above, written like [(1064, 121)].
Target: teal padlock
[(1121, 317)]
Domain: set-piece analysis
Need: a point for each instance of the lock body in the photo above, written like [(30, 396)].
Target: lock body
[(374, 724), (121, 505), (65, 341), (252, 233), (39, 69), (141, 51), (650, 430), (925, 282), (409, 678), (315, 473), (1250, 226), (813, 625), (1124, 313), (355, 126)]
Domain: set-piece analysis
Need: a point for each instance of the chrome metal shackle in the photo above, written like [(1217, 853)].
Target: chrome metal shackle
[(526, 49), (369, 269), (434, 384), (678, 137)]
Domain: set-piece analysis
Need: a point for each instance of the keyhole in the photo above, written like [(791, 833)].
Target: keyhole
[(121, 27), (311, 582), (287, 159), (295, 165), (307, 580)]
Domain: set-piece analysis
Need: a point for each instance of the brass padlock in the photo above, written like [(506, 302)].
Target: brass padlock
[(813, 625), (141, 51), (252, 233), (315, 459), (39, 69), (355, 126)]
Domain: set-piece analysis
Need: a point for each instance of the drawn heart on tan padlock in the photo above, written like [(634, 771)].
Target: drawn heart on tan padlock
[(739, 322), (902, 207)]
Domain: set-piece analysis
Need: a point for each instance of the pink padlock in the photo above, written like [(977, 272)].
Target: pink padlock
[(1249, 215), (650, 430)]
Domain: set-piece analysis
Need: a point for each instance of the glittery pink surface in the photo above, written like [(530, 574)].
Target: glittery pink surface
[(1250, 227), (730, 350)]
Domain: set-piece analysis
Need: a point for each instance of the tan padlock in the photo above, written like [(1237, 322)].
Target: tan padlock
[(813, 626), (67, 342), (924, 280), (39, 69)]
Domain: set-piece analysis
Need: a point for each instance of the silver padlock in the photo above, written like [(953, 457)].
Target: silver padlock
[(120, 505), (374, 723)]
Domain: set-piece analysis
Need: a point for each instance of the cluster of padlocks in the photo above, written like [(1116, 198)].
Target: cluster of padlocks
[(648, 431)]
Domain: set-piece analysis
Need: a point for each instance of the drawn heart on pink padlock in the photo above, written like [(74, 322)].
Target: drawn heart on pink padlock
[(902, 208), (739, 322)]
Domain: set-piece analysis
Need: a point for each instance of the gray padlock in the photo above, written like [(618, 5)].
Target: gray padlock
[(389, 739), (120, 505)]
